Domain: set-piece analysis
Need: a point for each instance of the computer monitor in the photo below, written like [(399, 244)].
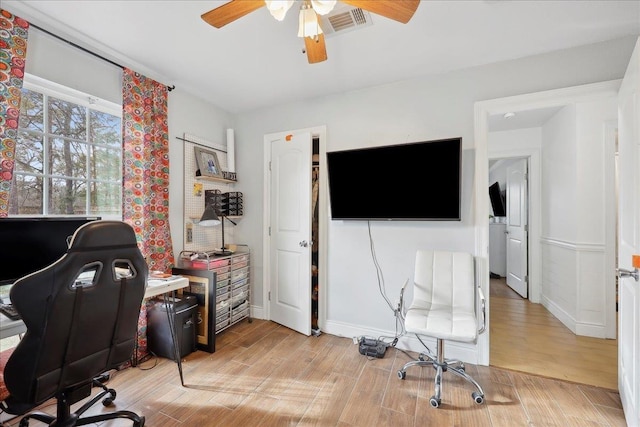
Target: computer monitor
[(29, 244)]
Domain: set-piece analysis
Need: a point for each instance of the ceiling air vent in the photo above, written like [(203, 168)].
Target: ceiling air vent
[(343, 19)]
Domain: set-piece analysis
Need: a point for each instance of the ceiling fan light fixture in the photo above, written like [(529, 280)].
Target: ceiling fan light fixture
[(322, 7), (278, 8), (308, 22)]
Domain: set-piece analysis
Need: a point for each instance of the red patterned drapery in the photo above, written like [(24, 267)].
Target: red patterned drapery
[(14, 32), (146, 167)]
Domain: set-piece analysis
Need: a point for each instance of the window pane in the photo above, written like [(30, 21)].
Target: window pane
[(29, 153), (105, 129), (68, 158), (31, 111), (26, 195), (106, 199), (67, 118), (67, 197), (106, 164)]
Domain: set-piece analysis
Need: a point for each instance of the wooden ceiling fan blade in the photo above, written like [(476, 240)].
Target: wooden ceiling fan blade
[(229, 12), (316, 49), (398, 10)]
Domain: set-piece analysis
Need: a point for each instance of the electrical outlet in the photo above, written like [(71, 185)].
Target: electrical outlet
[(189, 233)]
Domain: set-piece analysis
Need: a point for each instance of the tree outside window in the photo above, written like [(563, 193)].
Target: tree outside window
[(68, 155)]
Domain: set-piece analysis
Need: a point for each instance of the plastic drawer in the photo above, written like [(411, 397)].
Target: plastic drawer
[(222, 270), (224, 315), (222, 310), (223, 297), (222, 324), (223, 276), (239, 298), (223, 290), (240, 264), (240, 290), (223, 283), (239, 274), (238, 259), (241, 308), (222, 305), (240, 315), (217, 263), (240, 283)]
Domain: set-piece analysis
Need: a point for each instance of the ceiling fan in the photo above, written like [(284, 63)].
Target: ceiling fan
[(309, 22)]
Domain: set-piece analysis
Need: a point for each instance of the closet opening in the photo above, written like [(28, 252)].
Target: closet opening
[(315, 186)]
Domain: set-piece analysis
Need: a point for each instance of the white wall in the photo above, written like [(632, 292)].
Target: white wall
[(59, 62), (192, 115), (420, 109), (575, 185)]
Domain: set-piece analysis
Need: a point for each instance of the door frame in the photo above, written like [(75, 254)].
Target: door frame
[(534, 263), (321, 133), (482, 111)]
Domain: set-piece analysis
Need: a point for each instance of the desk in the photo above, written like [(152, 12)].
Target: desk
[(154, 288), (9, 328)]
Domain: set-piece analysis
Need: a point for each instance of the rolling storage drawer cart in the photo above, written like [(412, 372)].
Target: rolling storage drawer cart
[(223, 286)]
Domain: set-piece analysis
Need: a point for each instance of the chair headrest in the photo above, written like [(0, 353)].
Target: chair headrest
[(101, 234)]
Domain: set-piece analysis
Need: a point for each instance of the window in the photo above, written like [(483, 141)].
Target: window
[(68, 153)]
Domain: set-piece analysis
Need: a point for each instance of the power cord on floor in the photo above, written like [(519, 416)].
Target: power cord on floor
[(397, 311)]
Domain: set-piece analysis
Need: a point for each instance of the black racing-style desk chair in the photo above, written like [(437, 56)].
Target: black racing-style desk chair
[(81, 315)]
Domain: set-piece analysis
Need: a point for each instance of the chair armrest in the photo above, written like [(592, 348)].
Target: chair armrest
[(482, 302)]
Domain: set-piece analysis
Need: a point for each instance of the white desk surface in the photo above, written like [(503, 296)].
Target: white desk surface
[(155, 287)]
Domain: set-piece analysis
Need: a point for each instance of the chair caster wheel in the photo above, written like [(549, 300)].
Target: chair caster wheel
[(24, 422), (477, 397), (107, 401), (434, 402), (402, 375)]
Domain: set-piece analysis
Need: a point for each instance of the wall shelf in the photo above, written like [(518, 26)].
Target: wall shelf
[(214, 179)]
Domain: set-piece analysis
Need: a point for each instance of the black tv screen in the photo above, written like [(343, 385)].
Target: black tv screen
[(497, 200), (418, 181), (31, 244)]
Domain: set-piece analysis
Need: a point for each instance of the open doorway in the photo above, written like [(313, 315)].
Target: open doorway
[(551, 257), (508, 224)]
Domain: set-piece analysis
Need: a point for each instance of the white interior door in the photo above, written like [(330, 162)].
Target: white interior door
[(629, 239), (516, 247), (290, 240)]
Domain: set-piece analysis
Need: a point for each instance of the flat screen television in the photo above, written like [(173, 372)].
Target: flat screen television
[(31, 244), (497, 200), (419, 181)]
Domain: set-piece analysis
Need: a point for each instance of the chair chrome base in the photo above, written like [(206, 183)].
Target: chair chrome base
[(64, 417), (441, 365)]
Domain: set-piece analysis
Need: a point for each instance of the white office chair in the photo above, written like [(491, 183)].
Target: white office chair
[(443, 308)]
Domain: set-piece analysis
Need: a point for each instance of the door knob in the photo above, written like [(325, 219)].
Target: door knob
[(304, 244), (623, 272)]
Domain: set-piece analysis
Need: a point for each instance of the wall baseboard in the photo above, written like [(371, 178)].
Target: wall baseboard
[(468, 353)]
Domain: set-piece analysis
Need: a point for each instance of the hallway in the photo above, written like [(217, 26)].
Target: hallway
[(526, 337)]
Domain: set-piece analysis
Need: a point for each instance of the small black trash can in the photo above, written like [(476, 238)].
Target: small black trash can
[(185, 312)]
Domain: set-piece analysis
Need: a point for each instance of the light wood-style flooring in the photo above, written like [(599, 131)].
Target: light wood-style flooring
[(526, 337), (263, 374)]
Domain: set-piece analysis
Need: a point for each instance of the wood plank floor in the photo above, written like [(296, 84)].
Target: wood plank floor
[(528, 338), (264, 374)]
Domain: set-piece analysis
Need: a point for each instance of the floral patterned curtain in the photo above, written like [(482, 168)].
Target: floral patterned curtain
[(13, 51), (146, 167)]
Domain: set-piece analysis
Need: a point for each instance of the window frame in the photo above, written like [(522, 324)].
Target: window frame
[(92, 103)]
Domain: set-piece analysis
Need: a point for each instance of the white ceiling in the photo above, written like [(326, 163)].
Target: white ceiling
[(258, 62), (522, 119)]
